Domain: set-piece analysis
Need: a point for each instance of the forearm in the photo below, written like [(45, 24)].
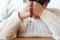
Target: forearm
[(10, 26)]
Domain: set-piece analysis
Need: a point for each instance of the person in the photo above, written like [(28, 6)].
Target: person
[(44, 23), (34, 26)]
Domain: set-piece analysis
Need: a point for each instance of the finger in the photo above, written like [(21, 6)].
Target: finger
[(27, 6)]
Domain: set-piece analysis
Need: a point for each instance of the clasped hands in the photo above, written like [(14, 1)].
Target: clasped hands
[(37, 11)]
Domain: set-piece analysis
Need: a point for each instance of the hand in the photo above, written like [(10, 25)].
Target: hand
[(37, 10), (25, 13)]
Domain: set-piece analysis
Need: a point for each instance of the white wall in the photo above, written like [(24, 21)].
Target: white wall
[(54, 4)]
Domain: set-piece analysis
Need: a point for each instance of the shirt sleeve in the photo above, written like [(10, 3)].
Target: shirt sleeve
[(52, 20), (10, 26)]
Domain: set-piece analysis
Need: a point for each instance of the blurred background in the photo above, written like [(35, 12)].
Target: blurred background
[(7, 7)]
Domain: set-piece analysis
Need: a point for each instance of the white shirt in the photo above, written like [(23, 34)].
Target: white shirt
[(35, 28), (47, 26)]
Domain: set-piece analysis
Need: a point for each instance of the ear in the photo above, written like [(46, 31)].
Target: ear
[(45, 5)]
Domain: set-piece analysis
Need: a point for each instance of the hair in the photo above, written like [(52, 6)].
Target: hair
[(40, 1)]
